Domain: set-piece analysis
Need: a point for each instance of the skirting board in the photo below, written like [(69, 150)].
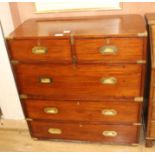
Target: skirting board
[(13, 124)]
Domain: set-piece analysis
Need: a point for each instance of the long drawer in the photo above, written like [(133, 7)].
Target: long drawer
[(81, 82), (55, 50), (125, 134), (109, 49), (108, 112)]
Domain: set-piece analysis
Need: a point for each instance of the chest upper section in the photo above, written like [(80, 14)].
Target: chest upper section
[(97, 39)]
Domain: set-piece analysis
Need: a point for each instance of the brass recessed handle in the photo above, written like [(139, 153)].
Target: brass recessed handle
[(109, 133), (109, 112), (51, 110), (39, 50), (45, 80), (108, 80), (108, 50), (55, 131)]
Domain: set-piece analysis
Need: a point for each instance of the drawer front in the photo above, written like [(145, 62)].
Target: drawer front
[(54, 50), (152, 129), (83, 82), (110, 49), (108, 112), (85, 132)]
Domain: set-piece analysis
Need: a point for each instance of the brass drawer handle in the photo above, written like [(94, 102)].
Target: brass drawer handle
[(109, 112), (51, 110), (46, 80), (108, 50), (55, 131), (109, 133), (109, 80), (39, 50)]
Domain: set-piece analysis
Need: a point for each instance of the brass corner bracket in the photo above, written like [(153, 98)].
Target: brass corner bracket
[(135, 144), (139, 99), (23, 96), (141, 61), (142, 34), (34, 138), (72, 39), (14, 62), (149, 138), (28, 119), (137, 124), (8, 37)]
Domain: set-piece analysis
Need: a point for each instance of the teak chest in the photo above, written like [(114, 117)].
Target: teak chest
[(81, 79)]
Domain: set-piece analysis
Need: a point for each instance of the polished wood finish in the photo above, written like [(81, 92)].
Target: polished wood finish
[(83, 111), (128, 50), (79, 81), (85, 132), (100, 26), (83, 78), (150, 117), (58, 50)]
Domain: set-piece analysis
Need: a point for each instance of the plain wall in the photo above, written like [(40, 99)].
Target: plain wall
[(9, 101), (25, 10), (15, 14)]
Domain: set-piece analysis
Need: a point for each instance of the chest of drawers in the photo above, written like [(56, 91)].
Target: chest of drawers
[(150, 113), (81, 79)]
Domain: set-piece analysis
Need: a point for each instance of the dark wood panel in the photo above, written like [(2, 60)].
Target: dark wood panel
[(85, 132), (109, 112), (57, 50), (81, 82), (120, 49)]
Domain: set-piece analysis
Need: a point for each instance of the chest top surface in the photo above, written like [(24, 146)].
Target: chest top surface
[(118, 25)]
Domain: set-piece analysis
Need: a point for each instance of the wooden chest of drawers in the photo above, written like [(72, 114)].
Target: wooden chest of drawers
[(81, 79), (150, 113)]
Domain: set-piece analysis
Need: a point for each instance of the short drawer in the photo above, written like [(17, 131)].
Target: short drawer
[(55, 50), (108, 112), (109, 49), (81, 82), (124, 134)]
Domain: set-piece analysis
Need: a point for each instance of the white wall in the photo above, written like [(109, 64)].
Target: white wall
[(9, 101)]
